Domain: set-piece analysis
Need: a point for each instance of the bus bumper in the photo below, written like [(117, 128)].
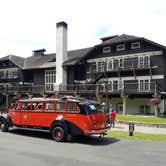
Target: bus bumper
[(97, 132)]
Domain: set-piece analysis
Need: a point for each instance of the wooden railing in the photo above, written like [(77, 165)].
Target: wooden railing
[(116, 65), (130, 88)]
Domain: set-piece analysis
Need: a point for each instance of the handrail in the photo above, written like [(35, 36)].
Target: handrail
[(83, 88)]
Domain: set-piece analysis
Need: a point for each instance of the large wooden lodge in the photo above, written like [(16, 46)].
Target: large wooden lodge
[(127, 71)]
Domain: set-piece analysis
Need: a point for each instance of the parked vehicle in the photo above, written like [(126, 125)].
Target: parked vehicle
[(62, 117)]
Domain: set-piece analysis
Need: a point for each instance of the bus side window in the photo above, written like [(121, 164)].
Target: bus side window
[(18, 107), (60, 106), (73, 107), (26, 106), (49, 106), (38, 107)]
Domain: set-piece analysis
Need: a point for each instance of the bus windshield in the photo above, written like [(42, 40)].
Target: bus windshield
[(91, 108), (95, 108)]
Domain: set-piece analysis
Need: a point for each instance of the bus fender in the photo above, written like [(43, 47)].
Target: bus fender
[(59, 122), (6, 118)]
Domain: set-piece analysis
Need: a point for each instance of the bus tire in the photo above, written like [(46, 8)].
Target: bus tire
[(4, 127), (59, 134)]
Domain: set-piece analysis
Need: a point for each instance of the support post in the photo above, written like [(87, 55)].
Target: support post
[(124, 97), (7, 101), (97, 93), (156, 110)]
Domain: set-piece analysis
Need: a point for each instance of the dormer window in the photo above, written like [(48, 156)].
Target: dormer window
[(135, 45), (106, 49), (120, 47)]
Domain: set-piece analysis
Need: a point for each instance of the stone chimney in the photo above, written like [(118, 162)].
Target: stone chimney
[(61, 54)]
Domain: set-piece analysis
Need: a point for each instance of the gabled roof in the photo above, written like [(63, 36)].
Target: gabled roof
[(125, 38), (75, 56), (118, 39), (18, 61), (48, 60), (35, 62)]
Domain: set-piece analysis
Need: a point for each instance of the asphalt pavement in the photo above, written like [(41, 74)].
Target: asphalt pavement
[(29, 148)]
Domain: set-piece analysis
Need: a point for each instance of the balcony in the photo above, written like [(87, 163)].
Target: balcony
[(128, 88), (114, 65), (8, 74)]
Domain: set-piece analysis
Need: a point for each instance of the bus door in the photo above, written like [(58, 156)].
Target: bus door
[(97, 116), (15, 113), (25, 116)]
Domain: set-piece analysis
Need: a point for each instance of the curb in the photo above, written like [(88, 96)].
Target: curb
[(142, 124)]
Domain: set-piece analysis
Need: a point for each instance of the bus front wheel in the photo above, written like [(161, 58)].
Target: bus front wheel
[(4, 127), (59, 134)]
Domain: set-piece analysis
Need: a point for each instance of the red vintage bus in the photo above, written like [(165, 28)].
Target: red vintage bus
[(64, 117)]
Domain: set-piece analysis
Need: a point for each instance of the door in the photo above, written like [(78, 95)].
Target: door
[(15, 114)]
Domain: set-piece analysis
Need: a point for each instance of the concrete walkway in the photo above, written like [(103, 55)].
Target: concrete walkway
[(143, 129)]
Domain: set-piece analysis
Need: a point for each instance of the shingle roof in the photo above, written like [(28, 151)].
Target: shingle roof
[(34, 62), (75, 56), (18, 61), (119, 39)]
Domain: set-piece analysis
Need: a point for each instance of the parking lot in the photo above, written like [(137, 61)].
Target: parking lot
[(21, 147)]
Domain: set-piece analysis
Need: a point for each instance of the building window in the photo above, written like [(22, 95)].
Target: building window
[(115, 85), (91, 67), (102, 66), (121, 63), (143, 61), (144, 85), (120, 47), (135, 45), (50, 79), (110, 64), (106, 49), (12, 73), (144, 109), (119, 108)]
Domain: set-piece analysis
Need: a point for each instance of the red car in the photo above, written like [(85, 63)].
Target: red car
[(62, 117)]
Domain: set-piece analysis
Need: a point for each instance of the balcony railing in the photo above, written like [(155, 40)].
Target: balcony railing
[(129, 88), (116, 65)]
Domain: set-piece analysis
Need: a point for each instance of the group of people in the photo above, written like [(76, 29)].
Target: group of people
[(111, 115)]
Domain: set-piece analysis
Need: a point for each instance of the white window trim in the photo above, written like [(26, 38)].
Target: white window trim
[(112, 66), (152, 53), (139, 61), (106, 49), (102, 67), (50, 79), (121, 63), (142, 89), (120, 49), (132, 45), (119, 87)]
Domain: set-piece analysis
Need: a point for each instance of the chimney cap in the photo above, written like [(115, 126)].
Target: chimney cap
[(62, 23), (40, 50)]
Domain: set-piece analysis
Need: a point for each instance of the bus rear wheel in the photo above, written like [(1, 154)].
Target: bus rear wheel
[(4, 127), (59, 134)]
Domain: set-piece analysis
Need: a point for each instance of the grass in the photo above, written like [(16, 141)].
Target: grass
[(148, 119), (137, 136)]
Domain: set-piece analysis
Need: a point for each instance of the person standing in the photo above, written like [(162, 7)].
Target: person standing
[(112, 116)]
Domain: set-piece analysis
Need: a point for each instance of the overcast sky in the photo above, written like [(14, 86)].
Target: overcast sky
[(27, 25)]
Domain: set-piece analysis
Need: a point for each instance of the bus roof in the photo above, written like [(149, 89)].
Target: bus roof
[(40, 99), (73, 99)]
